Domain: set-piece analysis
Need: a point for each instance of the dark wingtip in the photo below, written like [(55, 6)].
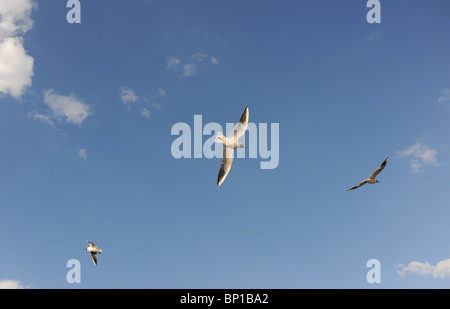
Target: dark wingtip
[(242, 120)]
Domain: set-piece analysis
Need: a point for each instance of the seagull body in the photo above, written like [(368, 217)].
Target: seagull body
[(230, 143), (93, 250), (371, 179)]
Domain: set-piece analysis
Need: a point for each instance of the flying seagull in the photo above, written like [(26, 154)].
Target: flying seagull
[(93, 250), (230, 143), (372, 179)]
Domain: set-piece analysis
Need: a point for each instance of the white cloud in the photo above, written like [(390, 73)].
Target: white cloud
[(68, 107), (16, 67), (42, 118), (145, 112), (214, 61), (15, 17), (127, 96), (172, 62), (199, 57), (373, 36), (419, 156), (445, 95), (10, 284), (157, 105), (162, 92), (154, 100), (440, 270), (189, 70), (82, 153)]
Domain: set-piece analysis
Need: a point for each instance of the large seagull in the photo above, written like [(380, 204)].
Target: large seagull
[(371, 179), (230, 143)]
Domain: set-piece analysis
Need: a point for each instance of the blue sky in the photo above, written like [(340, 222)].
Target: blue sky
[(86, 112)]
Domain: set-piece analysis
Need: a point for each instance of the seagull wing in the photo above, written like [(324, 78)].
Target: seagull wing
[(359, 185), (225, 165), (94, 258), (241, 127), (91, 244), (378, 170)]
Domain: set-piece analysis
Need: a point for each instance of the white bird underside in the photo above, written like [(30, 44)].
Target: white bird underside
[(229, 144), (372, 177)]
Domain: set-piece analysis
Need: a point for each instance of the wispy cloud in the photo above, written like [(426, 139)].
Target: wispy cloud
[(41, 117), (157, 99), (214, 61), (162, 92), (10, 284), (72, 109), (189, 70), (82, 153), (445, 95), (440, 270), (203, 33), (199, 57), (373, 36), (157, 105), (419, 156), (172, 62), (154, 100), (128, 96), (145, 112)]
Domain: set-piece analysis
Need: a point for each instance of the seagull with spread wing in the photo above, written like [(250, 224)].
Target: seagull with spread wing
[(93, 250), (372, 179), (230, 143)]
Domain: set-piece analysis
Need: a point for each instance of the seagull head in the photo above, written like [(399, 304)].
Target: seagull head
[(241, 146)]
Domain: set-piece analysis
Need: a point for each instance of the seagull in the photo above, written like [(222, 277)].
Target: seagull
[(371, 179), (93, 250), (230, 143)]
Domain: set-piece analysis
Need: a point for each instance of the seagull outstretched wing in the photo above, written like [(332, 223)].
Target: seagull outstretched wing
[(378, 170), (359, 185), (240, 128), (225, 165), (91, 244), (94, 257)]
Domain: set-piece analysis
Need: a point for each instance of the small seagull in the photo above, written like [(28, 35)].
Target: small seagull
[(372, 179), (93, 250), (230, 143)]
